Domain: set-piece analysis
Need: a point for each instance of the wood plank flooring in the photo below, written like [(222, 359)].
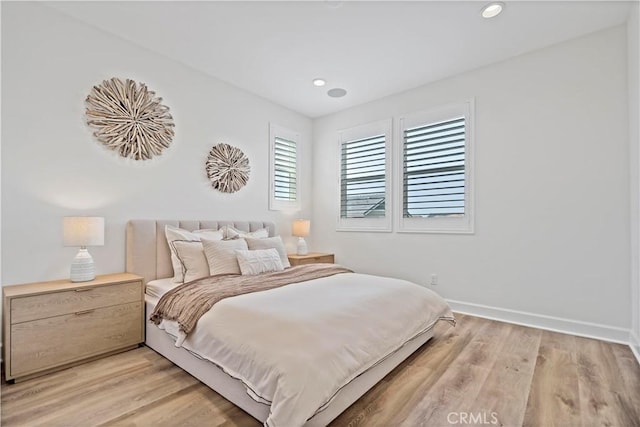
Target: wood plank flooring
[(481, 372)]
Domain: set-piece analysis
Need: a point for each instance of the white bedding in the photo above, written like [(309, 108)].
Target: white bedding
[(157, 288), (295, 346)]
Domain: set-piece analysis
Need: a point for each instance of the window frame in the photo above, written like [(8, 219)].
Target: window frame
[(461, 225), (277, 131), (384, 224)]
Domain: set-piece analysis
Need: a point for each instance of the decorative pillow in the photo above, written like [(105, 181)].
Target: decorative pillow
[(268, 243), (175, 233), (259, 261), (193, 262), (234, 233), (221, 255)]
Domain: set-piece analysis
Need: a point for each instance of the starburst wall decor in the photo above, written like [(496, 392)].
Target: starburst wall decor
[(227, 168), (129, 118)]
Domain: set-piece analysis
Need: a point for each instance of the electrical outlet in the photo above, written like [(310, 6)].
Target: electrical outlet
[(434, 280)]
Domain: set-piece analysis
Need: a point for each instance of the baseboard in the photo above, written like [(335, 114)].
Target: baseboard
[(634, 343), (550, 323)]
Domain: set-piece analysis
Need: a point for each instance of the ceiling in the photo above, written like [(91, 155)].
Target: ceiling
[(372, 49)]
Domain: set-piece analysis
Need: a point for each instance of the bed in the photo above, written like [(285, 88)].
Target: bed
[(148, 255)]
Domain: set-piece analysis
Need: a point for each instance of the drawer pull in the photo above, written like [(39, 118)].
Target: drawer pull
[(84, 290), (80, 313)]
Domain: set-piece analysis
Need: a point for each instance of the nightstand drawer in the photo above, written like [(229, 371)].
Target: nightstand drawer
[(42, 306), (43, 343)]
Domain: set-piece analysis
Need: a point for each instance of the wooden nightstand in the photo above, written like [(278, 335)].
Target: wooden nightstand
[(310, 258), (53, 325)]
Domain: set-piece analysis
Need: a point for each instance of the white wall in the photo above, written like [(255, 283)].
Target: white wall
[(633, 47), (553, 217), (52, 166), (551, 179)]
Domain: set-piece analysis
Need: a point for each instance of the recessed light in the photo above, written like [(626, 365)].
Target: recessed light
[(337, 92), (492, 9), (319, 82)]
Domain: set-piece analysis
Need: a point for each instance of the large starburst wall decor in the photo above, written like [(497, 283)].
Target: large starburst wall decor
[(227, 168), (129, 118)]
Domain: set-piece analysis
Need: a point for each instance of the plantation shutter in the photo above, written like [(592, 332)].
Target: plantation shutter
[(285, 171), (362, 178), (434, 169)]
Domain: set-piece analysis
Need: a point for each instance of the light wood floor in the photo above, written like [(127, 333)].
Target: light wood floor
[(497, 373)]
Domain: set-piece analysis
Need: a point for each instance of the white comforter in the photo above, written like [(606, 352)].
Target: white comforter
[(294, 347)]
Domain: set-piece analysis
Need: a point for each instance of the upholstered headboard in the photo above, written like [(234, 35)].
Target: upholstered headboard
[(147, 250)]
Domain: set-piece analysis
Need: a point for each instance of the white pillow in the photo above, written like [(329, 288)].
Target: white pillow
[(193, 262), (175, 233), (234, 233), (259, 261), (268, 243), (221, 255)]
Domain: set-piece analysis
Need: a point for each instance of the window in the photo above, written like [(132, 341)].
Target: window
[(365, 166), (284, 183), (435, 170)]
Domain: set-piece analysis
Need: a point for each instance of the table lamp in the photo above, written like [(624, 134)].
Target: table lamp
[(83, 231), (301, 230)]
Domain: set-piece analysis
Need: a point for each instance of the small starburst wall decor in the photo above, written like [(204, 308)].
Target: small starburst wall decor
[(129, 118), (227, 168)]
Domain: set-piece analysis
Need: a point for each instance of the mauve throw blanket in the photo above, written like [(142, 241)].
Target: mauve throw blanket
[(188, 302)]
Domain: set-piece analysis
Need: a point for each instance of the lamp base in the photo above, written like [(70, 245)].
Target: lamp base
[(302, 246), (82, 267)]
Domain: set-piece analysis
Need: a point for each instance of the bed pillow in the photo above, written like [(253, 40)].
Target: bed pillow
[(221, 255), (193, 262), (269, 243), (174, 233), (259, 261), (234, 233)]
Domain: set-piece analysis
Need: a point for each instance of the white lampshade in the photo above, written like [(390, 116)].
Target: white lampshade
[(301, 227), (83, 231)]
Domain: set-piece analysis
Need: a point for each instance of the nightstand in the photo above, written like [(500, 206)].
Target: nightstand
[(53, 325), (310, 258)]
